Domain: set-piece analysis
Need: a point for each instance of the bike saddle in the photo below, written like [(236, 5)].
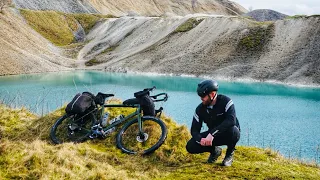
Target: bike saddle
[(100, 98), (105, 95)]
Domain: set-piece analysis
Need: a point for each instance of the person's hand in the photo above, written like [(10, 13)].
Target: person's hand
[(207, 141)]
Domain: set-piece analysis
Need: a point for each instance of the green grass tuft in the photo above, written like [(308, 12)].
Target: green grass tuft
[(256, 38), (87, 21), (315, 15), (303, 16), (71, 21), (110, 49), (188, 25), (296, 17), (106, 16), (92, 62), (49, 24)]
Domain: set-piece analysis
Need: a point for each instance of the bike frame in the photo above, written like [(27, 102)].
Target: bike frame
[(136, 113), (130, 116)]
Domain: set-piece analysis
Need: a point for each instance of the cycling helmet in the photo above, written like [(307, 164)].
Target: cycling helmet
[(207, 86)]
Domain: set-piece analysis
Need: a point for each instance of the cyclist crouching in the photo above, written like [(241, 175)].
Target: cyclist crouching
[(218, 112)]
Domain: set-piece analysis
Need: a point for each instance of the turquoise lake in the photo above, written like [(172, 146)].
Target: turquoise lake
[(284, 118)]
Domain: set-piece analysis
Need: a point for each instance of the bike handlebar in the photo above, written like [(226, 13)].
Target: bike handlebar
[(150, 89), (145, 91), (165, 98)]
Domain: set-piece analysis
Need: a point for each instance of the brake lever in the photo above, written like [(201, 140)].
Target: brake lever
[(166, 97)]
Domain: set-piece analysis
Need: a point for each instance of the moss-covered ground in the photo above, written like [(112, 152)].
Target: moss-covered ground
[(26, 152)]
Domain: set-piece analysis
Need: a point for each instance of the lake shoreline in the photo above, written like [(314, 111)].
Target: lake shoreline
[(217, 77), (220, 78)]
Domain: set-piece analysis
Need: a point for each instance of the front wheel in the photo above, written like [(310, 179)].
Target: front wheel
[(71, 128), (131, 141)]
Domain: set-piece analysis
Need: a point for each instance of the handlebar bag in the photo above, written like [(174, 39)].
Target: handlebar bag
[(147, 105)]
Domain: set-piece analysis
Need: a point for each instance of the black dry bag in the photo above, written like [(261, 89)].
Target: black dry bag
[(80, 103)]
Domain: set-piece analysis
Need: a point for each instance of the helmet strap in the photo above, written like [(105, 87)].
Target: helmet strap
[(211, 99)]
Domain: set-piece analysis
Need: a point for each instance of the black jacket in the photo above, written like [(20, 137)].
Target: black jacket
[(218, 118)]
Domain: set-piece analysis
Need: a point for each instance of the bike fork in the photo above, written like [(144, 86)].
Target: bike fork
[(141, 133)]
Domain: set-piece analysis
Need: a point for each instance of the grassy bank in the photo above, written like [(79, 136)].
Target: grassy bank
[(59, 27), (27, 153)]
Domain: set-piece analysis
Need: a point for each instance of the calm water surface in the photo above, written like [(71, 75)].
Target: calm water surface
[(281, 117)]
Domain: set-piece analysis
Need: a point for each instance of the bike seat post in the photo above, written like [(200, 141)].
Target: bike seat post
[(102, 108)]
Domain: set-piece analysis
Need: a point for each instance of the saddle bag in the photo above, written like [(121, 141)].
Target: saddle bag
[(81, 103)]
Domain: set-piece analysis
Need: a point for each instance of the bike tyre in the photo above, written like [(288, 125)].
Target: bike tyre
[(150, 119), (61, 125)]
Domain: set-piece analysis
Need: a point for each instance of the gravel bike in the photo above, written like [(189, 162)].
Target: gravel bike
[(143, 133)]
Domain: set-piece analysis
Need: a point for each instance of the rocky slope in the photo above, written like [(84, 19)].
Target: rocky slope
[(70, 6), (159, 7), (222, 47), (141, 7), (23, 50), (265, 15)]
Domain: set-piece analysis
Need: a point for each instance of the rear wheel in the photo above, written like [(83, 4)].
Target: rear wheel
[(71, 128), (131, 141)]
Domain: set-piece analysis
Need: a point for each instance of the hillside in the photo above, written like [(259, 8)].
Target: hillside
[(27, 153), (23, 50), (224, 47), (221, 47), (140, 7), (265, 15)]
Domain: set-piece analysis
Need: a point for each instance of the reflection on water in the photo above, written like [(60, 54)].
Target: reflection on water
[(282, 117)]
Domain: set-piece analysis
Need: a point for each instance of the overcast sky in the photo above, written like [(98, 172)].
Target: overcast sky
[(289, 7)]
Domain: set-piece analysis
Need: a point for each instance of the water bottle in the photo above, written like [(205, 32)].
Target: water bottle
[(113, 121), (118, 118), (104, 121), (109, 131)]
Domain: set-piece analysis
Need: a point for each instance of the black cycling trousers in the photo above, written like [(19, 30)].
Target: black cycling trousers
[(229, 138)]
